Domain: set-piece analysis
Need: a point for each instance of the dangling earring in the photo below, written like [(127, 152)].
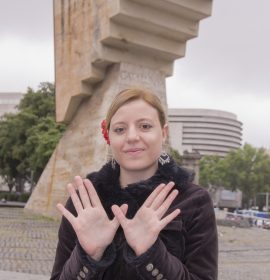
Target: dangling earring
[(164, 158), (113, 163)]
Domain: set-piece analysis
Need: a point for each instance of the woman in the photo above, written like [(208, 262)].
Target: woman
[(123, 221)]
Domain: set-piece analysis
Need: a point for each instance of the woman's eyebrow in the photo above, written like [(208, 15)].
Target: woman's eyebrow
[(143, 119), (139, 120), (117, 123)]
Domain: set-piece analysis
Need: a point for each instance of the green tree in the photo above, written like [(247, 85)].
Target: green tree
[(175, 155), (9, 137), (44, 137), (246, 169), (40, 103), (211, 171), (28, 138)]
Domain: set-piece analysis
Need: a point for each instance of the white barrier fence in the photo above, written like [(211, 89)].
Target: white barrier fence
[(221, 214), (258, 221)]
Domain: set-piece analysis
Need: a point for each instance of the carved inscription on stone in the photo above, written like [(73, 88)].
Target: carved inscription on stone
[(134, 75)]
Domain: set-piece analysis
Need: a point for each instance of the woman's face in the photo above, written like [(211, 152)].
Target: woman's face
[(136, 136)]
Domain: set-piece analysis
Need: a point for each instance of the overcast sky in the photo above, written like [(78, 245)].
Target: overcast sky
[(226, 68)]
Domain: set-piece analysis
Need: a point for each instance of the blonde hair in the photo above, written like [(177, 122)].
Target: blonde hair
[(132, 94)]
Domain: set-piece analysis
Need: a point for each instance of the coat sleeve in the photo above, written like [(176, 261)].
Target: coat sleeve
[(200, 253), (71, 262)]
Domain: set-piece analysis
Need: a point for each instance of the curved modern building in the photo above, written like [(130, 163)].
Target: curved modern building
[(209, 132)]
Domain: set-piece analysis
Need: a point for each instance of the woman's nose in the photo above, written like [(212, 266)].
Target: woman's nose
[(132, 134)]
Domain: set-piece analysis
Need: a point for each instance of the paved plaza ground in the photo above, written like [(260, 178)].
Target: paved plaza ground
[(27, 248)]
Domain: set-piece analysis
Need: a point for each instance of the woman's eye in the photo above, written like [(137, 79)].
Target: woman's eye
[(146, 126), (119, 130)]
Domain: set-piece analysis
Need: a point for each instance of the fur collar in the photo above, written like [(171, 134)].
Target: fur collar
[(106, 182)]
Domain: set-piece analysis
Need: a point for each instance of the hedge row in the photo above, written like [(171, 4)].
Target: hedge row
[(20, 197)]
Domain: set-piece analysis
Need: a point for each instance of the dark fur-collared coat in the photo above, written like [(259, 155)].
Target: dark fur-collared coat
[(186, 248)]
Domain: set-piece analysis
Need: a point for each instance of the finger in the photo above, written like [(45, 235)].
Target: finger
[(94, 198), (162, 195), (124, 208), (82, 191), (169, 218), (153, 195), (120, 216), (167, 203), (75, 199), (66, 213)]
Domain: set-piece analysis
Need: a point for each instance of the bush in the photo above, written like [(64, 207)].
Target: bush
[(20, 197), (24, 197)]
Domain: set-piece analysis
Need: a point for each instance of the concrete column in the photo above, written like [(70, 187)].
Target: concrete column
[(191, 161)]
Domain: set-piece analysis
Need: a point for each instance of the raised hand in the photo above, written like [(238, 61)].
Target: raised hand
[(95, 231), (142, 231)]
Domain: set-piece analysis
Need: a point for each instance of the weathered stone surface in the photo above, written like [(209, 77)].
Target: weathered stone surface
[(92, 34), (102, 47), (82, 149)]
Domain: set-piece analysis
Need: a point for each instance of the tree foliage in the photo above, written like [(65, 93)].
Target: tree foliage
[(246, 169), (28, 138), (175, 155)]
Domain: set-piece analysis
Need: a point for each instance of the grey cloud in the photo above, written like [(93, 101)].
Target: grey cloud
[(232, 49), (26, 19)]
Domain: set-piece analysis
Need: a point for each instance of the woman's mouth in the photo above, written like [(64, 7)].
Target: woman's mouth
[(134, 151)]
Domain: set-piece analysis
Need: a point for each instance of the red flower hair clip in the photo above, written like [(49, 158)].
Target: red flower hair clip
[(105, 132)]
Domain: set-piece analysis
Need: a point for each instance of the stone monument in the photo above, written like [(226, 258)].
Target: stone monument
[(102, 47), (191, 161)]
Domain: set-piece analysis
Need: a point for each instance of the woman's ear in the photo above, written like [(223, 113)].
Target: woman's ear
[(165, 132)]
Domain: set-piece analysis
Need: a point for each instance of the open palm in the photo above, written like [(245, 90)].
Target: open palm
[(142, 231), (94, 230)]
